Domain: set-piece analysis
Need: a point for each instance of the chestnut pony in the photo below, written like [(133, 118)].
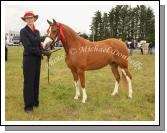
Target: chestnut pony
[(83, 55)]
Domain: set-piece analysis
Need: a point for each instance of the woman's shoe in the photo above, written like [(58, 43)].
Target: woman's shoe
[(28, 109)]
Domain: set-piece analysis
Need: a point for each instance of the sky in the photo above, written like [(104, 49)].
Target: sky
[(78, 17)]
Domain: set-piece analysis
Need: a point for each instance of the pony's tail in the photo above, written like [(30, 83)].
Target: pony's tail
[(124, 82)]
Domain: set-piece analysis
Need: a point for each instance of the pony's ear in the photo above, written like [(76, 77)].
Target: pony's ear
[(49, 22), (54, 21)]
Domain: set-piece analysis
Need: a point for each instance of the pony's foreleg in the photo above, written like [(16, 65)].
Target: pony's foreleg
[(76, 84), (82, 81), (114, 68), (129, 79)]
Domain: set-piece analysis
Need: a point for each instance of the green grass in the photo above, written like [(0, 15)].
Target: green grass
[(56, 99)]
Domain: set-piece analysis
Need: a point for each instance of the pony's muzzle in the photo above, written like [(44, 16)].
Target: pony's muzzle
[(47, 42)]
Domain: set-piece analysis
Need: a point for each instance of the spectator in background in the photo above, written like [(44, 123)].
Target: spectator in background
[(150, 48), (141, 48), (6, 49), (132, 47), (126, 42), (153, 48)]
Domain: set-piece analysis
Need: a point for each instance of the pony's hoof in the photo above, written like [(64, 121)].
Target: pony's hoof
[(130, 96), (113, 94), (83, 101), (76, 97)]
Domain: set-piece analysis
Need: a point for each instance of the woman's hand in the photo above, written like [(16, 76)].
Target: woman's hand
[(46, 52)]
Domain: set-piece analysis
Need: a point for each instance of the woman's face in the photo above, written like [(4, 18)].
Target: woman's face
[(30, 20)]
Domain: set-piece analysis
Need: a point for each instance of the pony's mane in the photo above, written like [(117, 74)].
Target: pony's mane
[(72, 34)]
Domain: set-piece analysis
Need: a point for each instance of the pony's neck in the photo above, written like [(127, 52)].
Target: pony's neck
[(70, 37)]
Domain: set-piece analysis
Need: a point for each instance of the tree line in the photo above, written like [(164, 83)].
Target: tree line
[(123, 22)]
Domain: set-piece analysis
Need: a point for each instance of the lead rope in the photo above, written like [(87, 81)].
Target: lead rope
[(51, 51), (48, 59)]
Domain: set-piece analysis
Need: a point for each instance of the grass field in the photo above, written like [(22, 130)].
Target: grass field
[(56, 99)]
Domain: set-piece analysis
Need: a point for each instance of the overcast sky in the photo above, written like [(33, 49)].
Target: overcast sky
[(78, 17)]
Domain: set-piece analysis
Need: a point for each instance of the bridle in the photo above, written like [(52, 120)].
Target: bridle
[(54, 38), (53, 41), (58, 36)]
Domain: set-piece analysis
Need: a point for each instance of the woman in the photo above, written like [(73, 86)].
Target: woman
[(30, 38)]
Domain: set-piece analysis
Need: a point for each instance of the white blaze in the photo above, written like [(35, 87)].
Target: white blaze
[(47, 42), (56, 39), (49, 31)]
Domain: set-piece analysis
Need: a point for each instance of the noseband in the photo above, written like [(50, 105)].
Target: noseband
[(54, 39), (58, 36)]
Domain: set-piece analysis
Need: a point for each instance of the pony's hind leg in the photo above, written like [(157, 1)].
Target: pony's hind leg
[(76, 84), (128, 76), (81, 75), (114, 68)]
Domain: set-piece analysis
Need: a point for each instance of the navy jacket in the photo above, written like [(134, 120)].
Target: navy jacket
[(31, 41)]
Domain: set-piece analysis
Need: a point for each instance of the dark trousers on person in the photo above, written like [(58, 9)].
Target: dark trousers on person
[(131, 51), (141, 50), (31, 71)]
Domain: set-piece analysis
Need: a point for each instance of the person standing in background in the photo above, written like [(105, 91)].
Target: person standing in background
[(132, 47), (6, 49)]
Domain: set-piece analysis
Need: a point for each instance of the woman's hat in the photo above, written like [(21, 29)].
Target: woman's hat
[(28, 15)]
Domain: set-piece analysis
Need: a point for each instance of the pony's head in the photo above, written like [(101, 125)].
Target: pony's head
[(52, 35)]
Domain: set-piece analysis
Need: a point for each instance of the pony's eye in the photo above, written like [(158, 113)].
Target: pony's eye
[(55, 30)]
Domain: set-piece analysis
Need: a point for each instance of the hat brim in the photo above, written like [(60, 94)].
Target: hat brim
[(36, 17)]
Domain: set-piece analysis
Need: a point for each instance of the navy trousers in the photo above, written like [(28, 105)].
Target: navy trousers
[(31, 72)]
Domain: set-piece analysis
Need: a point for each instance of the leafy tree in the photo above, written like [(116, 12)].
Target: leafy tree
[(84, 35), (105, 26), (124, 22)]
